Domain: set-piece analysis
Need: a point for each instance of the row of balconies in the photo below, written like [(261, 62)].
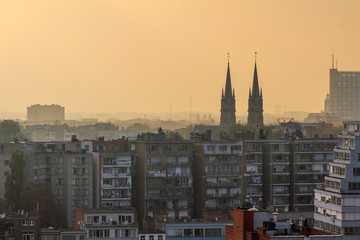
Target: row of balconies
[(107, 186), (223, 184), (114, 197), (221, 195)]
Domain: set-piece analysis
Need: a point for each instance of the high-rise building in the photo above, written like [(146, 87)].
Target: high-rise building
[(276, 176), (113, 164), (337, 204), (46, 113), (217, 178), (344, 98), (162, 178), (310, 160), (255, 110), (227, 117), (253, 172), (66, 169)]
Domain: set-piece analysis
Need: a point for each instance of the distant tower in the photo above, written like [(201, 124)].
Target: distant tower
[(228, 102), (255, 110)]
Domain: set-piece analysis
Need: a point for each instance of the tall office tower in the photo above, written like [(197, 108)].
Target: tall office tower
[(255, 110), (227, 117), (337, 204), (344, 98)]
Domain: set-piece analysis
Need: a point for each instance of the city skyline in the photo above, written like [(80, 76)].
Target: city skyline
[(145, 57)]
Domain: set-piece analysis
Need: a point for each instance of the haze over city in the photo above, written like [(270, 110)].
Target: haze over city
[(145, 56)]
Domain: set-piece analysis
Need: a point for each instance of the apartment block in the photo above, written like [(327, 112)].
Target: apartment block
[(217, 178), (337, 204), (67, 169), (310, 160), (253, 172), (163, 186), (276, 181)]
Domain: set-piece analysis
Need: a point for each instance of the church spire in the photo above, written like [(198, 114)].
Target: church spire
[(227, 117), (255, 109), (228, 89), (255, 88)]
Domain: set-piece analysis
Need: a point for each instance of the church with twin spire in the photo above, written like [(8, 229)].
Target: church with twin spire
[(255, 102)]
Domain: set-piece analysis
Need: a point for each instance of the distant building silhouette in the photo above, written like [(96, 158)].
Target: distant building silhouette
[(255, 110), (344, 99), (45, 113), (227, 117)]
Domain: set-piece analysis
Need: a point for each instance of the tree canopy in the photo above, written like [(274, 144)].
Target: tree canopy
[(139, 128), (40, 196), (9, 130), (173, 135), (14, 183)]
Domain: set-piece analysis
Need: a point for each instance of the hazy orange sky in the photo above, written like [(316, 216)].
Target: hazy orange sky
[(117, 55)]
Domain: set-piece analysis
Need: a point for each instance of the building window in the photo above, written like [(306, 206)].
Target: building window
[(356, 171), (142, 237), (160, 237), (28, 236), (182, 148), (98, 233), (6, 173), (6, 162), (28, 222), (151, 237), (69, 237)]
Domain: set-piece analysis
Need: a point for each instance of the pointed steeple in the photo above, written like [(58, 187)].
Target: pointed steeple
[(222, 93), (228, 83), (255, 88), (260, 92), (249, 91)]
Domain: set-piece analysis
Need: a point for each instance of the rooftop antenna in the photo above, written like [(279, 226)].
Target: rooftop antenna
[(255, 56), (336, 64), (228, 56)]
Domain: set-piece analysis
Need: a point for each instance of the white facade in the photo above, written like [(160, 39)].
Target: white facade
[(337, 206)]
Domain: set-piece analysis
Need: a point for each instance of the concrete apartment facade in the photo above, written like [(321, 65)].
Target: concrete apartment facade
[(163, 178), (337, 204), (217, 178), (67, 169)]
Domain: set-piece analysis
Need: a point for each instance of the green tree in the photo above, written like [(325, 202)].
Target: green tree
[(239, 127), (14, 184), (139, 128), (2, 205), (9, 130), (173, 135), (4, 227), (39, 197), (185, 132), (336, 130), (272, 132)]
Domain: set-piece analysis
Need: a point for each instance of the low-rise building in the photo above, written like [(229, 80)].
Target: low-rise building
[(107, 223)]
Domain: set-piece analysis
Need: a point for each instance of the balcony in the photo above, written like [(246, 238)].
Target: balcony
[(113, 197), (115, 186)]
